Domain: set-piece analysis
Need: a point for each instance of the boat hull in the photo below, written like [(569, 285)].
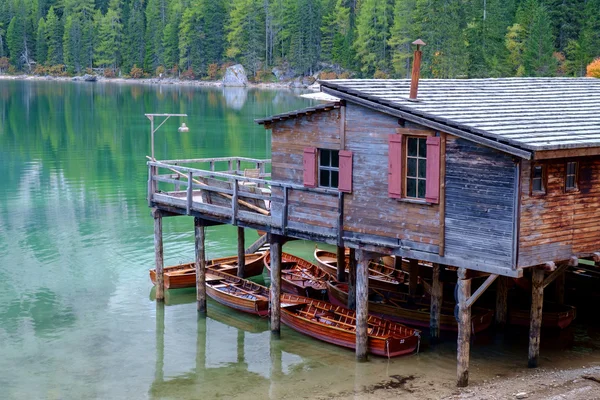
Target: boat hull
[(257, 304), (558, 316), (316, 289)]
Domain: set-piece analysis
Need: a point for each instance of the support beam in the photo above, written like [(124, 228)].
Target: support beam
[(486, 284), (275, 289), (436, 304), (158, 255), (557, 272), (341, 264), (413, 277), (537, 302), (257, 245), (241, 251), (464, 330), (352, 280), (501, 300), (199, 242), (362, 305)]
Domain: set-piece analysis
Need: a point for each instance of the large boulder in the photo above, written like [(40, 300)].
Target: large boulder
[(235, 76), (283, 73)]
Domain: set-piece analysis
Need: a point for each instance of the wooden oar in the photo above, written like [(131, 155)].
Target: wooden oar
[(254, 294)]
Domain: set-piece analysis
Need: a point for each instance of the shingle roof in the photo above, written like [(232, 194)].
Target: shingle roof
[(297, 113), (528, 113)]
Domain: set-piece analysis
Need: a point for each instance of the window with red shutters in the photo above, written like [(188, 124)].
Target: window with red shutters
[(432, 184), (345, 177), (395, 166), (310, 166)]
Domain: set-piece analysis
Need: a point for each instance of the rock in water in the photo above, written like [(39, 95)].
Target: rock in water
[(521, 395), (235, 76)]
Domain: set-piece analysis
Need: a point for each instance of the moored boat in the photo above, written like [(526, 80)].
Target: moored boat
[(237, 293), (553, 315), (381, 276), (398, 308), (299, 276), (337, 325), (184, 275)]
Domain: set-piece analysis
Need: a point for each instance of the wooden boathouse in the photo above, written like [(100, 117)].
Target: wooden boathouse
[(492, 178)]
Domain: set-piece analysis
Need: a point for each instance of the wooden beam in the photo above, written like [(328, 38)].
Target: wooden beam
[(463, 341), (437, 291), (486, 284), (257, 245), (501, 300), (341, 264), (199, 242), (413, 276), (560, 270), (158, 256), (352, 280), (241, 253), (275, 289), (362, 305), (537, 302)]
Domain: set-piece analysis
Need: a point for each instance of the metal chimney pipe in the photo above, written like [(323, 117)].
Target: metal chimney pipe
[(416, 69)]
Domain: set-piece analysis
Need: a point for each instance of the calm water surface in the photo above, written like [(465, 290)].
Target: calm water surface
[(77, 318)]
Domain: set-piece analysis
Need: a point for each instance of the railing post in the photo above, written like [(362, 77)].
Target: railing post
[(150, 184), (189, 194), (234, 203), (177, 185), (212, 167), (230, 166), (237, 165), (284, 211)]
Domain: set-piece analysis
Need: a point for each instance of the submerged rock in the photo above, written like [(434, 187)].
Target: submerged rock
[(235, 76)]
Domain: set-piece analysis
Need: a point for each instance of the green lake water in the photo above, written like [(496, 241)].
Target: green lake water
[(77, 319)]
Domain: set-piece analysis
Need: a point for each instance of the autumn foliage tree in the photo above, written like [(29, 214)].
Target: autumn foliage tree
[(593, 69)]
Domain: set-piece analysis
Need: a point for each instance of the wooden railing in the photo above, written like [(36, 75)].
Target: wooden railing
[(221, 191)]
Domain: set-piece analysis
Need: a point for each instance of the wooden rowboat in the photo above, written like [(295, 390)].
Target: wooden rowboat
[(299, 277), (337, 325), (398, 308), (237, 293), (553, 315), (381, 276), (184, 275)]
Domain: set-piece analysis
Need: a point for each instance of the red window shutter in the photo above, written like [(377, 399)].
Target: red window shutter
[(310, 166), (432, 185), (345, 180), (395, 166)]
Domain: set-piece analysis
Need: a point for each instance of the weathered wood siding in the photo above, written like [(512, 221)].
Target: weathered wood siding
[(369, 209), (480, 203), (557, 225)]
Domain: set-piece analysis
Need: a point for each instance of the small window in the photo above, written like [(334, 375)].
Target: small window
[(537, 179), (329, 166), (416, 167), (571, 176)]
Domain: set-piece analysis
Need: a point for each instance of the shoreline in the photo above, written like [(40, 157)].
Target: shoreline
[(153, 81)]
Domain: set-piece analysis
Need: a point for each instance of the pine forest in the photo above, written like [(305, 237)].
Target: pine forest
[(196, 39)]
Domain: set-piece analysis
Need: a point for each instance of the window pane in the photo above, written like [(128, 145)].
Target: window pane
[(421, 191), (411, 187), (571, 168), (537, 184), (570, 182), (537, 171), (412, 167), (422, 167), (334, 179), (412, 147), (325, 158), (422, 147), (324, 177), (335, 158)]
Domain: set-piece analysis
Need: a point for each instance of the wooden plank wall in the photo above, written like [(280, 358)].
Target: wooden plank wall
[(480, 203), (289, 139), (368, 209), (557, 225)]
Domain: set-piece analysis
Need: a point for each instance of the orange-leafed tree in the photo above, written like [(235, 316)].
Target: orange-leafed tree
[(593, 69)]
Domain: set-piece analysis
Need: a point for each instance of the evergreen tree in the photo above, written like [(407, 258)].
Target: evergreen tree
[(110, 36), (305, 35), (156, 19), (19, 40), (246, 33), (41, 49), (372, 34), (54, 39), (134, 42), (171, 34), (402, 34), (538, 57)]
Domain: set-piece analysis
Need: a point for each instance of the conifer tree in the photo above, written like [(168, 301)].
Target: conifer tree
[(19, 40), (134, 43), (41, 49), (538, 57), (156, 19), (372, 35), (246, 33), (54, 38), (402, 34), (109, 36)]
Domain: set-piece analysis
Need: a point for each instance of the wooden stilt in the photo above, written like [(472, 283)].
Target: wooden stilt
[(559, 288), (501, 300), (159, 370), (275, 290), (199, 241), (362, 305), (158, 256), (436, 304), (464, 329), (413, 270), (241, 252), (537, 301), (398, 263), (341, 263), (352, 280)]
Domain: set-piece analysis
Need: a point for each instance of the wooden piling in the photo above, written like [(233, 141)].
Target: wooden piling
[(275, 289), (537, 302), (464, 329), (241, 251), (413, 270), (436, 304), (158, 255), (341, 264), (352, 280), (362, 305), (501, 300), (199, 242)]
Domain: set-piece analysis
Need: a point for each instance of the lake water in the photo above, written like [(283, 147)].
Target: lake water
[(77, 319)]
